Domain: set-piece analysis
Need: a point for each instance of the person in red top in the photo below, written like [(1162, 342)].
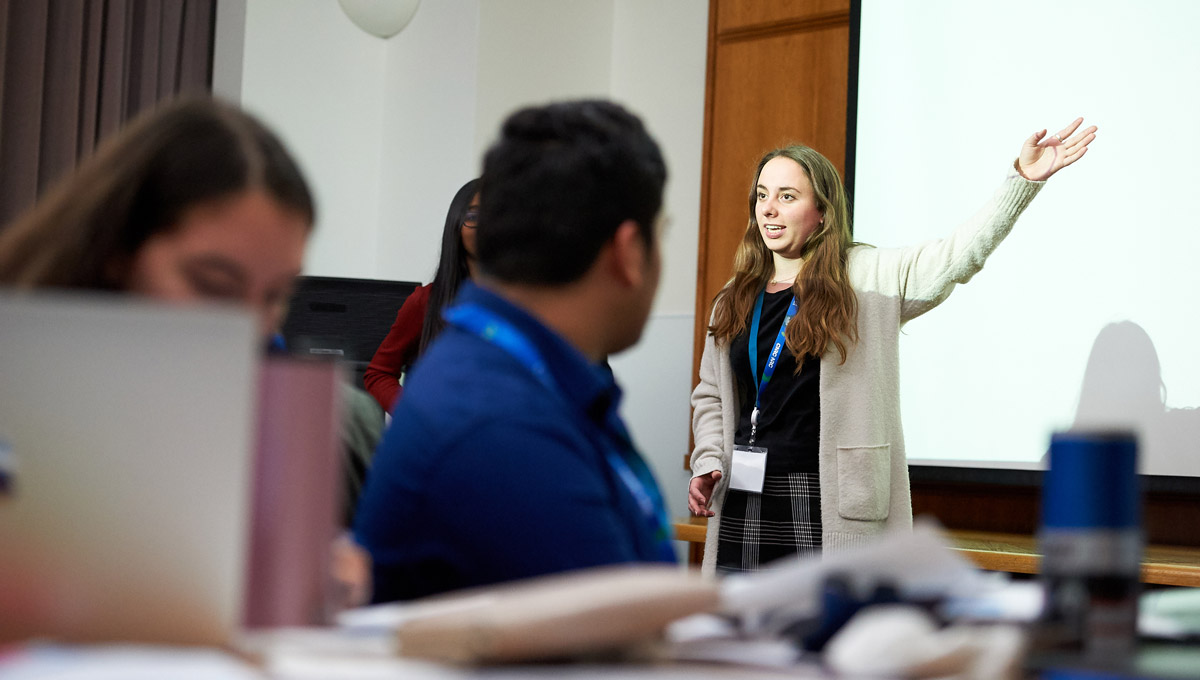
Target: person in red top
[(420, 317)]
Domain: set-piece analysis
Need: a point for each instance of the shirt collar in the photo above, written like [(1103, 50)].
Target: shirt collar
[(589, 387)]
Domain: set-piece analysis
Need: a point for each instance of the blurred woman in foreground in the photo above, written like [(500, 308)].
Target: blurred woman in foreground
[(194, 201)]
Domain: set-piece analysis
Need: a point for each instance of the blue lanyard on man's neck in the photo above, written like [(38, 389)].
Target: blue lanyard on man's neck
[(624, 460), (772, 360)]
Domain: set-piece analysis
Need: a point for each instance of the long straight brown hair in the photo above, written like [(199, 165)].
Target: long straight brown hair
[(827, 315), (452, 267)]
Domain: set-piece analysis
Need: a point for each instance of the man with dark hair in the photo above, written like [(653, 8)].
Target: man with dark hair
[(506, 457)]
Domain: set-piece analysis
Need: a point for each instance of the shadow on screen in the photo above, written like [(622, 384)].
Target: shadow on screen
[(1123, 388)]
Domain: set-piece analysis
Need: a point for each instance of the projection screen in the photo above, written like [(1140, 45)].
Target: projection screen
[(1086, 314)]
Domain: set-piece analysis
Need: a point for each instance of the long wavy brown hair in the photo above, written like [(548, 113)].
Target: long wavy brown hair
[(827, 316)]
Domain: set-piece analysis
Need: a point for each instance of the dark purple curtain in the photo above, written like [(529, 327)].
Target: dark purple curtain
[(72, 71)]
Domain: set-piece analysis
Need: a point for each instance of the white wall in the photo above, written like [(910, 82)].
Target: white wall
[(388, 130), (534, 51), (315, 77), (429, 99), (658, 62), (229, 49)]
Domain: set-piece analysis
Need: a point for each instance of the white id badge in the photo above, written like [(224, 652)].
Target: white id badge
[(749, 468)]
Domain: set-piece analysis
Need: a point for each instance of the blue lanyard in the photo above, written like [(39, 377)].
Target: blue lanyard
[(772, 361), (490, 327)]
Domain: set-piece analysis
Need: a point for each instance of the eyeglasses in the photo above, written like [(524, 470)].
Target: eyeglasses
[(471, 218)]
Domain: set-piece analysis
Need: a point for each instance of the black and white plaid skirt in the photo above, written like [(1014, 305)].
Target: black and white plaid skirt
[(783, 521)]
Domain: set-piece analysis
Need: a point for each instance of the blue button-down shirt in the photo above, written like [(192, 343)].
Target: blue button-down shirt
[(485, 475)]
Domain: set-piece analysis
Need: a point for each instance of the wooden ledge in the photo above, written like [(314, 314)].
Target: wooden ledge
[(691, 529), (1017, 554)]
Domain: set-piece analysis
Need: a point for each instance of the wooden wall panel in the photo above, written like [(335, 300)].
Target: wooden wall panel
[(734, 15), (768, 86)]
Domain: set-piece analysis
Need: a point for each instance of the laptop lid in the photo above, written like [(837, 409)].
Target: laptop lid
[(128, 428)]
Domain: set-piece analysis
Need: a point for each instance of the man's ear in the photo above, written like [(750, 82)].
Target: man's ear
[(629, 254)]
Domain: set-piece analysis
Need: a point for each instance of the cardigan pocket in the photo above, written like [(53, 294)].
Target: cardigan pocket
[(864, 483)]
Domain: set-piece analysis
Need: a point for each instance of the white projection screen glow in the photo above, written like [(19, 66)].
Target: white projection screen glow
[(1086, 314)]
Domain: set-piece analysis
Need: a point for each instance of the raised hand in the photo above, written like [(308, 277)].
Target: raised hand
[(1042, 156)]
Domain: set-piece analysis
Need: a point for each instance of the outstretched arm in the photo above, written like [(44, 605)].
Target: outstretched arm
[(1042, 156), (928, 272)]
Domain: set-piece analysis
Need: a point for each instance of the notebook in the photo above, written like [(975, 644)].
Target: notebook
[(126, 439)]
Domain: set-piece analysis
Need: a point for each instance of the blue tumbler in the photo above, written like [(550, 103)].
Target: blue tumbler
[(1091, 542)]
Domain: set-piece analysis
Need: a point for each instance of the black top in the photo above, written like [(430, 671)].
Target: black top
[(789, 419)]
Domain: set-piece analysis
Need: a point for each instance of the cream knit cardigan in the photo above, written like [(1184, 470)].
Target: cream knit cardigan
[(861, 460)]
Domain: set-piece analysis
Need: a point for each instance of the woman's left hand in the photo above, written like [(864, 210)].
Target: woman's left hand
[(1042, 156)]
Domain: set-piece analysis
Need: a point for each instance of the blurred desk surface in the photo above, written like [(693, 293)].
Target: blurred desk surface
[(403, 668), (109, 662), (317, 661), (1015, 553)]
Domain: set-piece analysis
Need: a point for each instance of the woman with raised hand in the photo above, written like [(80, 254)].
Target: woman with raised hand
[(796, 420)]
